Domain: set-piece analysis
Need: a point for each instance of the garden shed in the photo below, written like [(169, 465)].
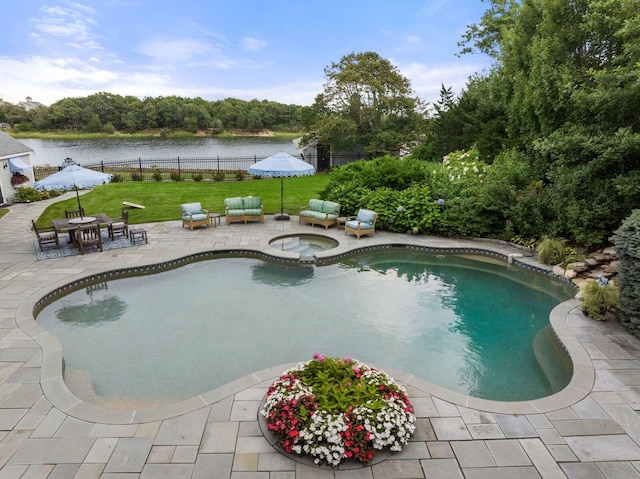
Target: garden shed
[(16, 169), (323, 158)]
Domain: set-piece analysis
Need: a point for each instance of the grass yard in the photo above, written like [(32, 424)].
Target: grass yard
[(162, 200)]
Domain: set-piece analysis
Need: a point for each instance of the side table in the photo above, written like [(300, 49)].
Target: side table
[(215, 218), (139, 235)]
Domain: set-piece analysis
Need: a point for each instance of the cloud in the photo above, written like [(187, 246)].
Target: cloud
[(252, 44), (426, 80), (58, 21)]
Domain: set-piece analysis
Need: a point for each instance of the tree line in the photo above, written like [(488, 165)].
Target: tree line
[(108, 112)]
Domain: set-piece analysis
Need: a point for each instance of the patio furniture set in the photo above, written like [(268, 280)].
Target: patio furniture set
[(250, 208), (85, 230)]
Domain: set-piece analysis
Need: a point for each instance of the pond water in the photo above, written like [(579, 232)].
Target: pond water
[(89, 152), (474, 327)]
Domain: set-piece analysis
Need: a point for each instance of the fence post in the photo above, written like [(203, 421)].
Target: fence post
[(140, 167), (102, 165), (179, 172)]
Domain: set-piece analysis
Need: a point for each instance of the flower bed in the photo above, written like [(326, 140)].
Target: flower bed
[(336, 409)]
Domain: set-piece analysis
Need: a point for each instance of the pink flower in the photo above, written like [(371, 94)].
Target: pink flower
[(316, 355), (321, 358)]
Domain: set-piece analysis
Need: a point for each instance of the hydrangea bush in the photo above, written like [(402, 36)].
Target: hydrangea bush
[(336, 409)]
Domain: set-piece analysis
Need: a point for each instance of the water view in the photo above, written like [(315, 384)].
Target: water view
[(89, 152)]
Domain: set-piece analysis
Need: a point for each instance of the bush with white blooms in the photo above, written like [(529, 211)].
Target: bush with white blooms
[(336, 409)]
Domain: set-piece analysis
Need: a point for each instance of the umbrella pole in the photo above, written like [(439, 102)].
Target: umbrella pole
[(78, 197), (282, 216)]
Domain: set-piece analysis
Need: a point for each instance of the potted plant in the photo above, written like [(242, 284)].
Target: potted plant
[(336, 409), (598, 297)]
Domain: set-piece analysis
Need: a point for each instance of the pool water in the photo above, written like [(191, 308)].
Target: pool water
[(306, 245), (474, 327)]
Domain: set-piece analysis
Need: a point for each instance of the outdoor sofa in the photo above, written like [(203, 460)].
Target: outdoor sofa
[(320, 212), (244, 209)]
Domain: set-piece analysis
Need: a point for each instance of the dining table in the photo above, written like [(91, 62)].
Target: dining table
[(71, 225)]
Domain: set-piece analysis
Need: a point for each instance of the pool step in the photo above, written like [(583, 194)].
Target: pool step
[(552, 358)]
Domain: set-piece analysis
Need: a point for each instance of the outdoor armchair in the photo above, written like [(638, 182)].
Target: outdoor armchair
[(74, 213), (364, 224), (47, 236), (119, 226), (194, 215), (89, 235)]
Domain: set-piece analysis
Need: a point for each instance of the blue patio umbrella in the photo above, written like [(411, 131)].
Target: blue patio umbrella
[(73, 177), (278, 166)]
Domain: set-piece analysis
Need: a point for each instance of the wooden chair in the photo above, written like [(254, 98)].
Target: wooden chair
[(120, 226), (89, 235), (364, 224), (74, 213), (47, 236)]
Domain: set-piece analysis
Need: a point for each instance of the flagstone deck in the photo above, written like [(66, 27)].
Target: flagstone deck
[(592, 430)]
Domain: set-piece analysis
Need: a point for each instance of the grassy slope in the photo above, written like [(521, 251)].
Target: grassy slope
[(162, 200)]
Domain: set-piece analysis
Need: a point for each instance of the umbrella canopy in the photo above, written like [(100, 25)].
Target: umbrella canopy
[(281, 164), (72, 177), (278, 166)]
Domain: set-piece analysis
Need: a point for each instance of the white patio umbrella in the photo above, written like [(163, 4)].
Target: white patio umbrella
[(73, 177), (278, 166)]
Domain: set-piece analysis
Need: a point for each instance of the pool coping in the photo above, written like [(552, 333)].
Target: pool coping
[(59, 395)]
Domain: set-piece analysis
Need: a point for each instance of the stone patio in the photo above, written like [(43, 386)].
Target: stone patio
[(589, 430)]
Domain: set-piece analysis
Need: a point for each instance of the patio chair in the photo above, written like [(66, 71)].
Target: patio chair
[(120, 226), (47, 236), (194, 215), (364, 224), (74, 213), (89, 235)]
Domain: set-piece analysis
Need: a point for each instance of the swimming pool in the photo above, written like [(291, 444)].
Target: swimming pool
[(474, 327)]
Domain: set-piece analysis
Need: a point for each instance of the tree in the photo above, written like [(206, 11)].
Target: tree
[(366, 102)]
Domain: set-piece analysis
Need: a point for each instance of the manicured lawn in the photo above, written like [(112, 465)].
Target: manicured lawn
[(162, 200)]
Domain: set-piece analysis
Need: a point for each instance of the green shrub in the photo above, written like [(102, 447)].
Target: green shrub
[(117, 178), (157, 176), (27, 195), (197, 177), (240, 174), (626, 240), (598, 299), (219, 176), (136, 176), (551, 250), (350, 195), (175, 176)]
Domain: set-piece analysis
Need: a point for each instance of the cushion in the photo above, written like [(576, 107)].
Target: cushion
[(233, 203), (307, 213), (366, 215), (195, 217), (318, 215), (251, 202), (118, 224), (235, 212), (253, 212), (353, 224), (190, 208), (316, 205), (331, 207)]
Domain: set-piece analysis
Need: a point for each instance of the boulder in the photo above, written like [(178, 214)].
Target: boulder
[(558, 270), (570, 273), (610, 251), (578, 267)]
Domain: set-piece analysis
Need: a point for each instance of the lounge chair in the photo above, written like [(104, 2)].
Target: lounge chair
[(89, 235), (47, 236), (194, 215), (119, 226), (364, 224)]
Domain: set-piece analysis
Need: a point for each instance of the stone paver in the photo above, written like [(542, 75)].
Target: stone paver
[(590, 430)]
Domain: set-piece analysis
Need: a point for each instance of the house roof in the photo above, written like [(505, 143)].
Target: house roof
[(11, 147)]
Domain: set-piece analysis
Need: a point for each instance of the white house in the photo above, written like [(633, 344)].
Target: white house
[(15, 167)]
